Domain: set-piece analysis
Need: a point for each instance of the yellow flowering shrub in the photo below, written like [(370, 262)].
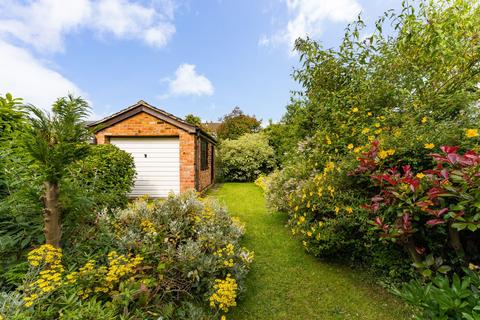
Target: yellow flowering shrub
[(225, 294), (46, 260), (154, 255)]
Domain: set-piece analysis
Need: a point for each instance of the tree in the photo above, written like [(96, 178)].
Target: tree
[(54, 141), (236, 124), (192, 119)]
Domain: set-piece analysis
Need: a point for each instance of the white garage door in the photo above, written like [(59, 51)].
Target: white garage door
[(157, 161)]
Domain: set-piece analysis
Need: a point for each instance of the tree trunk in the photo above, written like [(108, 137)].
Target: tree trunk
[(410, 247), (455, 240), (51, 214)]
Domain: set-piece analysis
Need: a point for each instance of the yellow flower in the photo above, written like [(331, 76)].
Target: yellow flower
[(369, 114), (471, 266), (420, 175), (424, 119), (349, 209), (223, 318), (357, 149), (391, 152), (371, 138), (350, 146), (355, 109), (365, 130), (471, 133), (328, 140), (309, 234), (383, 154), (225, 293), (337, 210), (429, 146)]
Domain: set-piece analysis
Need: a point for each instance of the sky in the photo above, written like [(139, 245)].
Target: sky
[(184, 56)]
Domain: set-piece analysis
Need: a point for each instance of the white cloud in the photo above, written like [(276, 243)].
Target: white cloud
[(307, 18), (43, 24), (188, 82), (26, 77), (132, 20)]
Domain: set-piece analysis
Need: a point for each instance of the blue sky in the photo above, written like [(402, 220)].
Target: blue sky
[(184, 56)]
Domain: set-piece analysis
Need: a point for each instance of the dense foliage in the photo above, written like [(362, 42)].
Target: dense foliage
[(12, 119), (53, 141), (11, 116), (105, 175), (431, 210), (373, 104), (245, 158), (173, 259), (445, 298), (193, 119), (99, 180), (236, 124)]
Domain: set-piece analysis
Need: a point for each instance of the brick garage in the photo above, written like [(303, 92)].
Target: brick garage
[(165, 149)]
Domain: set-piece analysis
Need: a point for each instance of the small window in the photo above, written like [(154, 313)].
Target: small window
[(204, 154)]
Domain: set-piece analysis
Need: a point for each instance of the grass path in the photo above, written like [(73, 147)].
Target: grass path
[(287, 283)]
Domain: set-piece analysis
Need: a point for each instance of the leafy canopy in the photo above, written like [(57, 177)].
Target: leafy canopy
[(192, 119), (55, 140), (11, 115), (236, 124)]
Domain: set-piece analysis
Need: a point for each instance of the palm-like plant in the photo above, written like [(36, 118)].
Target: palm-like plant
[(55, 140)]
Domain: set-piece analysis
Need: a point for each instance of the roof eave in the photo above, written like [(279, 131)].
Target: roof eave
[(142, 106)]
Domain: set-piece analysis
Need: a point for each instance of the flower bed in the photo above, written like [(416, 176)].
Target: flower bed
[(178, 258)]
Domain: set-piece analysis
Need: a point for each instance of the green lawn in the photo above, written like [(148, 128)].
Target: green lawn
[(287, 283)]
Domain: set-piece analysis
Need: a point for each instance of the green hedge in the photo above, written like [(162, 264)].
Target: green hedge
[(105, 176)]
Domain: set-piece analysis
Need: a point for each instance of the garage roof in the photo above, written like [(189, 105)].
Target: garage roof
[(142, 106)]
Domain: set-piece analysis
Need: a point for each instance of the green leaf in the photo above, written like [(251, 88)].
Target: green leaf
[(427, 273), (472, 227), (444, 269), (459, 225)]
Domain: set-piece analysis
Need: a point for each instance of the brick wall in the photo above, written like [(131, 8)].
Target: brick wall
[(143, 124), (205, 177)]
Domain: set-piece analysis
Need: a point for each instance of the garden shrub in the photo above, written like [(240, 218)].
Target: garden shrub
[(174, 259), (12, 119), (99, 181), (434, 213), (105, 176), (386, 88), (246, 158), (20, 218), (445, 298), (262, 181)]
